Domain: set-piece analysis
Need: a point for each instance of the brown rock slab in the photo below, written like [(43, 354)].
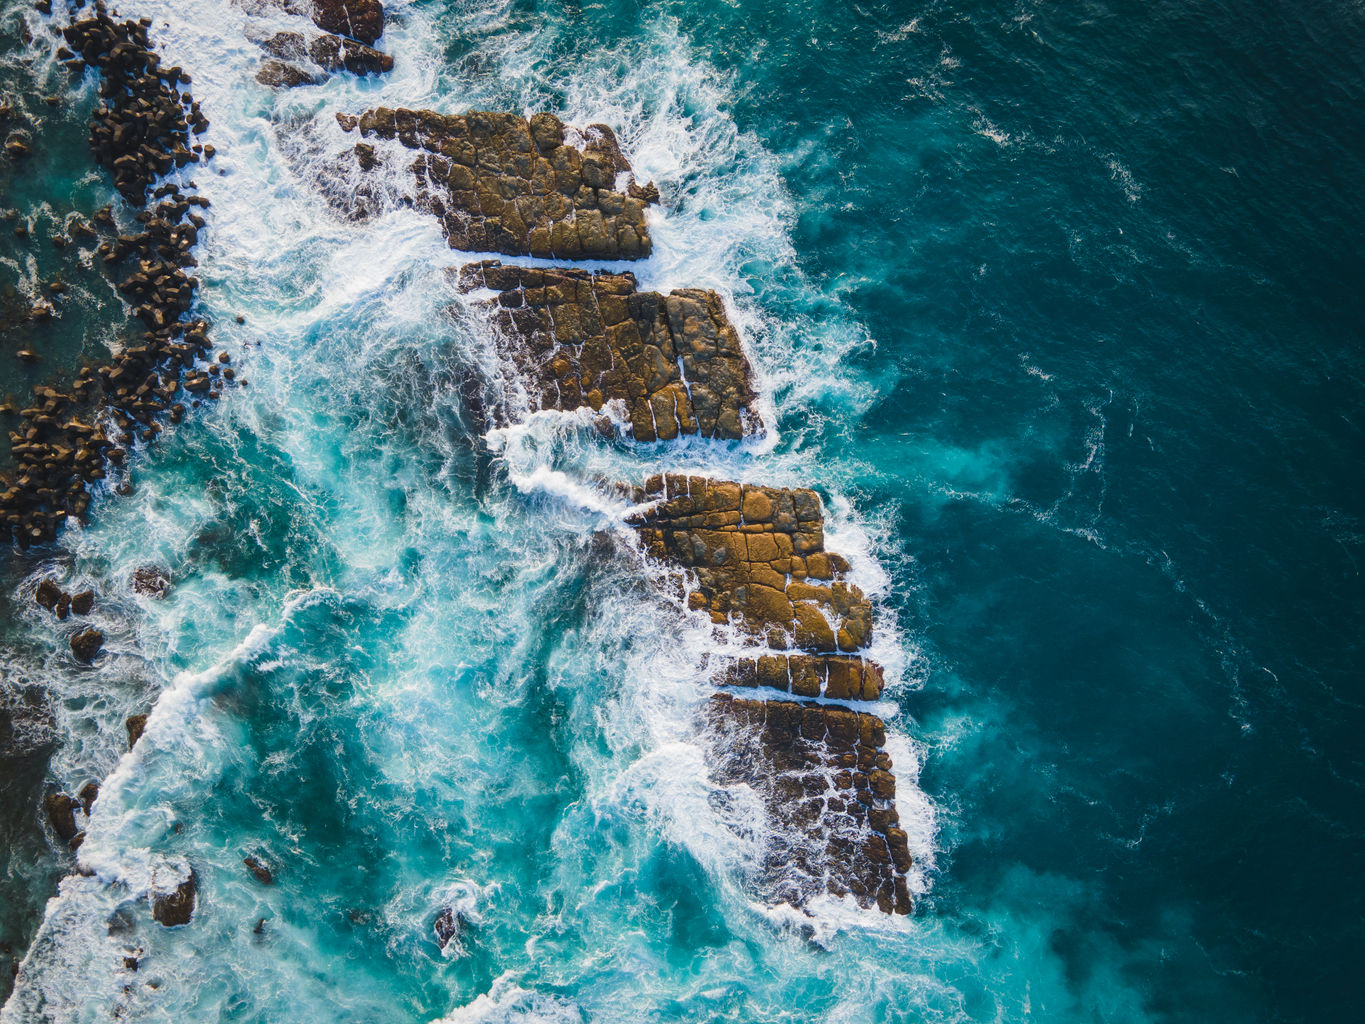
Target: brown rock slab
[(827, 786), (359, 19), (501, 183), (809, 675), (584, 339), (755, 557), (262, 873), (61, 811)]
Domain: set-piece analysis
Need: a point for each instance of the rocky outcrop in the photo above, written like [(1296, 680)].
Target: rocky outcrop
[(755, 558), (359, 19), (86, 644), (501, 183), (827, 786), (674, 360), (297, 60)]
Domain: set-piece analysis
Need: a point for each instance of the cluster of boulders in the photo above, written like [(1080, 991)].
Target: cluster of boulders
[(674, 360), (142, 128), (501, 183), (299, 58)]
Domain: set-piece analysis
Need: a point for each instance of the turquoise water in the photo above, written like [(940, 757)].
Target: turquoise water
[(1058, 308)]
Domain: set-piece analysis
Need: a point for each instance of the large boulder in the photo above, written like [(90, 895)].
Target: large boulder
[(176, 907), (86, 644), (359, 19)]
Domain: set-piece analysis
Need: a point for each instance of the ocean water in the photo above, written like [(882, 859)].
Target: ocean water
[(1059, 307)]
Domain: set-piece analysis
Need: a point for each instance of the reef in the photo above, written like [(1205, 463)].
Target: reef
[(307, 58), (501, 183), (583, 339), (143, 127)]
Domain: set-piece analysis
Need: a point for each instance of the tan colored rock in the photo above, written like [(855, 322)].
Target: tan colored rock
[(829, 793), (750, 573), (501, 183), (807, 675), (674, 360)]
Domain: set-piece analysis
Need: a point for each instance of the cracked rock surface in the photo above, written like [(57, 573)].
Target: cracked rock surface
[(501, 183), (579, 339)]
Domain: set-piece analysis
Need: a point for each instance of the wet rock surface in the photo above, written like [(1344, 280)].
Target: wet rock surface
[(28, 730), (501, 183), (86, 644), (297, 60), (806, 675), (176, 907), (827, 786), (754, 559), (359, 19), (68, 440), (757, 558), (674, 360)]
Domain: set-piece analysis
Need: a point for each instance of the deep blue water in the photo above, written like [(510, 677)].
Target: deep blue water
[(1060, 307)]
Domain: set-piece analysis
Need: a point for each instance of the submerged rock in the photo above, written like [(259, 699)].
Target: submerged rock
[(28, 730), (262, 873), (501, 183), (830, 796), (150, 581), (587, 339), (758, 557)]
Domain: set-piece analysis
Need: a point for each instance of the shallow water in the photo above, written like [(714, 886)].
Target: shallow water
[(1059, 311)]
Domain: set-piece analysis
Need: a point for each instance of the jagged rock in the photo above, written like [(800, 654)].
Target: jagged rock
[(258, 869), (588, 339), (502, 184), (177, 907), (333, 53), (48, 594), (327, 52), (136, 725), (808, 675), (447, 926), (61, 811), (151, 581), (82, 603), (278, 74), (827, 786), (757, 555), (359, 19), (90, 792), (86, 644)]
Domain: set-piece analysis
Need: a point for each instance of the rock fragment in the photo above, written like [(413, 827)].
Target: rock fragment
[(177, 907)]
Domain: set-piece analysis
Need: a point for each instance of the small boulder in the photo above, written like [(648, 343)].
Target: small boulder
[(359, 19), (48, 594), (258, 869), (82, 603), (61, 811), (86, 644), (135, 725), (176, 908), (89, 794)]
